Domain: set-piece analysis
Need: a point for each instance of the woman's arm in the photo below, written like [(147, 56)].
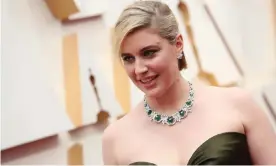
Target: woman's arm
[(261, 136)]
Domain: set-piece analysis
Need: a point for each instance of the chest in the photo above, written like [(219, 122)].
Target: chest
[(175, 145)]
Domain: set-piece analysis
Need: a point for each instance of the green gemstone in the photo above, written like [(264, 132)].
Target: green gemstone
[(189, 103), (157, 118), (170, 119), (181, 113), (149, 112)]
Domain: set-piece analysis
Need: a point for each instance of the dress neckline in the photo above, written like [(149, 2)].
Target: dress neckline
[(198, 148)]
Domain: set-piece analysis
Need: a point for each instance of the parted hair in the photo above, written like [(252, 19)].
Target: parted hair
[(147, 14)]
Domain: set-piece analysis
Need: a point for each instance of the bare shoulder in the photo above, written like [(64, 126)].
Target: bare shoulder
[(235, 100), (255, 121), (239, 95), (115, 128), (119, 126), (112, 138), (233, 95), (109, 137), (230, 92), (242, 99), (239, 98)]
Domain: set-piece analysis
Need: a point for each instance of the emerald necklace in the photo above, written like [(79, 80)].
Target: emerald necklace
[(176, 117)]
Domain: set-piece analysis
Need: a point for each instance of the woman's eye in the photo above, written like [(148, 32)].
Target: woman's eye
[(149, 53), (128, 58)]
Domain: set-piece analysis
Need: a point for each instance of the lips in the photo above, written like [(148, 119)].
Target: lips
[(148, 81)]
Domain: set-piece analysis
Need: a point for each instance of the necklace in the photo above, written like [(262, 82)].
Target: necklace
[(176, 117)]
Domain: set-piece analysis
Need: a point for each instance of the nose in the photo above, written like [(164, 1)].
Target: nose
[(140, 67)]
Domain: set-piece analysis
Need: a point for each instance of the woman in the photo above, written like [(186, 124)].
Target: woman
[(179, 122)]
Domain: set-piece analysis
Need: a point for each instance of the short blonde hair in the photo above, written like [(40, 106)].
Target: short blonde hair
[(147, 14)]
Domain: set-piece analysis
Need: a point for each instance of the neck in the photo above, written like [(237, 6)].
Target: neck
[(173, 99)]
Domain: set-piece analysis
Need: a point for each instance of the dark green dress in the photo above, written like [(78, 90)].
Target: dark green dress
[(229, 148)]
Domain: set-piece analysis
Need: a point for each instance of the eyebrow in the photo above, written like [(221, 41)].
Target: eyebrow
[(148, 47), (142, 50)]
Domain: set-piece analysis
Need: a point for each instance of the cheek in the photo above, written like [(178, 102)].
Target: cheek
[(164, 63), (159, 67), (167, 67), (129, 69)]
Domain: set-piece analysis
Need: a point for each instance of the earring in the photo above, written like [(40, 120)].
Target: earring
[(181, 55)]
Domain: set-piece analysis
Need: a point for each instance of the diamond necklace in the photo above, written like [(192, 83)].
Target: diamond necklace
[(176, 117)]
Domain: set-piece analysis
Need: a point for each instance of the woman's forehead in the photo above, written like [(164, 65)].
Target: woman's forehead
[(140, 39)]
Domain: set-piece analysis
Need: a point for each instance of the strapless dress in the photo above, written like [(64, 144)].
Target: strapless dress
[(229, 148)]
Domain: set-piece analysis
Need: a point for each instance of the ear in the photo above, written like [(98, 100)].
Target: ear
[(179, 44)]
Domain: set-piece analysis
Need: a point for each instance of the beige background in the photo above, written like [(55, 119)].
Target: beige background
[(34, 104)]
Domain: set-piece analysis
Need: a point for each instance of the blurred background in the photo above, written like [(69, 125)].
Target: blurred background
[(61, 84)]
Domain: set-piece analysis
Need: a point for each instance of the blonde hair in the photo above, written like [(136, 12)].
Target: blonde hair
[(147, 14)]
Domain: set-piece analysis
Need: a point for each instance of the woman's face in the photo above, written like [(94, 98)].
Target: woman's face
[(151, 61)]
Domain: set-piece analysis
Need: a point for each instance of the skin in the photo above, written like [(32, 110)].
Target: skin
[(216, 110)]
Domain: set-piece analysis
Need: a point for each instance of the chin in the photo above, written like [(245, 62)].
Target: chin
[(153, 89), (155, 92)]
